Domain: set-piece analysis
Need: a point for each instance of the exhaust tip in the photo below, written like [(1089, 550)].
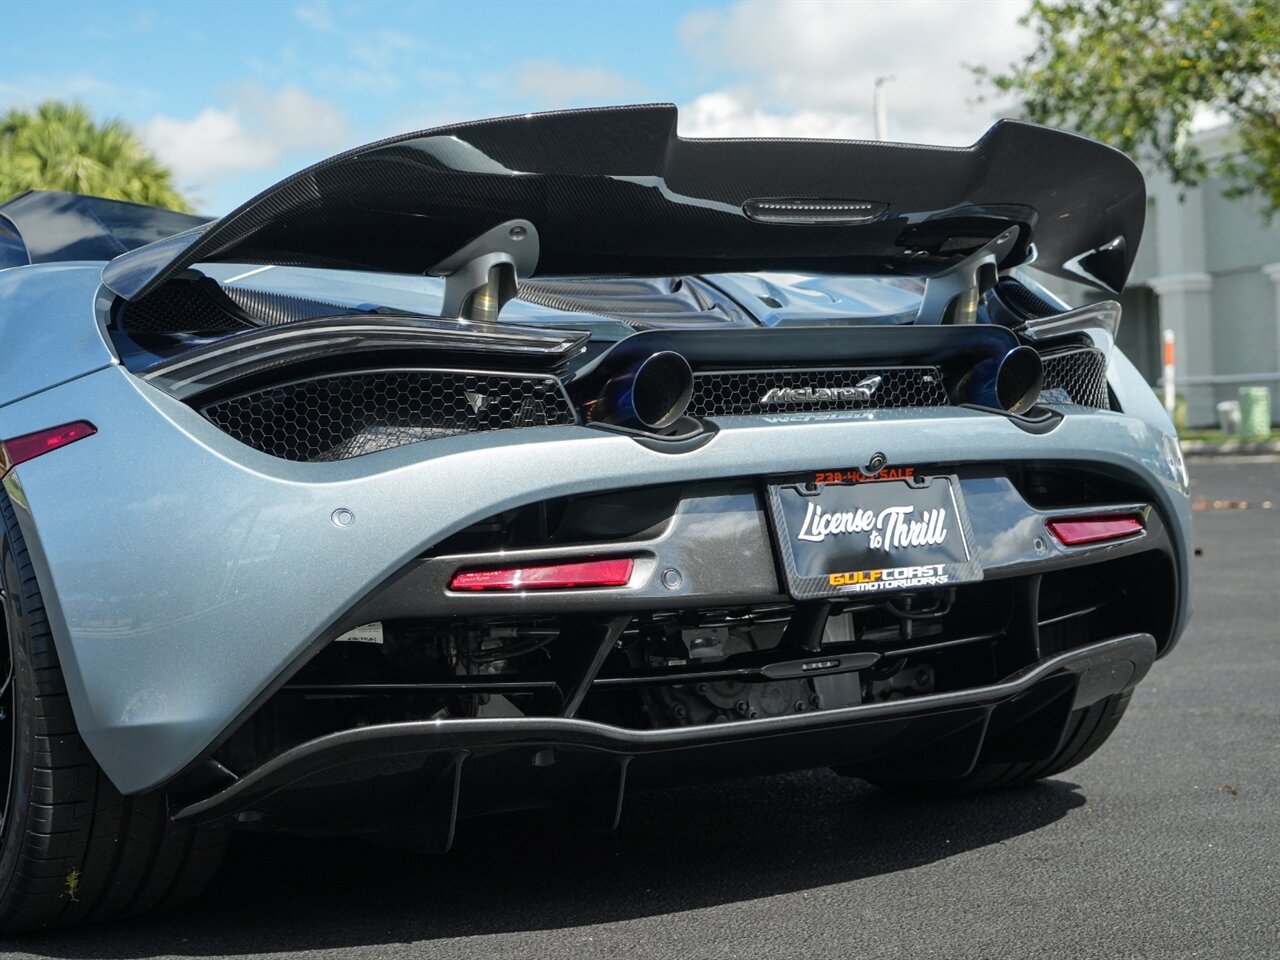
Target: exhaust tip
[(1010, 383), (662, 389), (1018, 379), (651, 395)]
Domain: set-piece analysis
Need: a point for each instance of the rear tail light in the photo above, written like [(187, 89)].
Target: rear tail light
[(1073, 531), (31, 445), (558, 576)]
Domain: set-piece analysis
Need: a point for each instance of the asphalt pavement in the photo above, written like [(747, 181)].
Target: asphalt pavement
[(1166, 843)]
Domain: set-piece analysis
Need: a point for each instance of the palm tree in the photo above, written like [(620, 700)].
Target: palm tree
[(58, 146)]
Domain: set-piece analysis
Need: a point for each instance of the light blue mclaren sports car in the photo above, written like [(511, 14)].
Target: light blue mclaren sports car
[(538, 460)]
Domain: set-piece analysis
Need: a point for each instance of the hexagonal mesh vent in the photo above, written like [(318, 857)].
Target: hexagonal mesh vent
[(342, 416), (1076, 376), (743, 391), (187, 307)]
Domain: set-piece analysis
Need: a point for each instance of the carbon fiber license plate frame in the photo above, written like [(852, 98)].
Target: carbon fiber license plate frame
[(842, 539)]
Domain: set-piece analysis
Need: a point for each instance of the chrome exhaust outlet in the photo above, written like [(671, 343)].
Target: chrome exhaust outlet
[(649, 395)]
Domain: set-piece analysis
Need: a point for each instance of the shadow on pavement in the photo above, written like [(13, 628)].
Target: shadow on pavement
[(676, 850)]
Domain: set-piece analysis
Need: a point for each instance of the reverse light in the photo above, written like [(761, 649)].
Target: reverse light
[(558, 576), (32, 445), (1074, 531)]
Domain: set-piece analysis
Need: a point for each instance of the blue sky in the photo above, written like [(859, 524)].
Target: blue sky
[(235, 95)]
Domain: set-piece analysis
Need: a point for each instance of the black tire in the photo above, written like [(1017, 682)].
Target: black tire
[(1086, 731), (71, 847)]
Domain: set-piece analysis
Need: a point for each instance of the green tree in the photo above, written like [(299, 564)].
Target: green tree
[(1134, 73), (58, 146)]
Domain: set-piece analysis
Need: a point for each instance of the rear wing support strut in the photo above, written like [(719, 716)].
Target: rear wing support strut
[(481, 277)]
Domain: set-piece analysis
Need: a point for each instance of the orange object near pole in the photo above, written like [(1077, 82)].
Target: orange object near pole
[(1169, 369)]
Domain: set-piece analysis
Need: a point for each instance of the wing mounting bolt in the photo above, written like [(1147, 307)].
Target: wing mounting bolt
[(482, 276)]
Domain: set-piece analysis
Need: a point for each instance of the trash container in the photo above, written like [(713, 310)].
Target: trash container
[(1229, 417), (1255, 411)]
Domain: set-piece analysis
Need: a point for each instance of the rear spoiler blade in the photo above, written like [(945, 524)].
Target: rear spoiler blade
[(615, 191), (54, 227)]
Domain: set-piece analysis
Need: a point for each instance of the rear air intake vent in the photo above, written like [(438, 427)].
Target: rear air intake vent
[(1076, 376), (343, 416), (184, 307), (202, 306), (1023, 300)]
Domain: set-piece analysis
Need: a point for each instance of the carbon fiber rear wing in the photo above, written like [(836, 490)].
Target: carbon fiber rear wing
[(615, 191)]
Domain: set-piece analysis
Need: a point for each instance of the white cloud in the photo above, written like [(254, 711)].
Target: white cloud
[(377, 62), (552, 83), (315, 14), (808, 67), (258, 128), (737, 113)]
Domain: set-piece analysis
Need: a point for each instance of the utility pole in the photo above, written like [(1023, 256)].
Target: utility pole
[(882, 117)]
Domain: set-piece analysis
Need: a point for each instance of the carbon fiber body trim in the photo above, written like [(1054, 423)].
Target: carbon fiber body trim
[(200, 306), (815, 587), (270, 308), (1104, 669), (615, 191)]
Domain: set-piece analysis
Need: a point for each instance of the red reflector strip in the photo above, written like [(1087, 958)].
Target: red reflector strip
[(1078, 530), (559, 576), (31, 445)]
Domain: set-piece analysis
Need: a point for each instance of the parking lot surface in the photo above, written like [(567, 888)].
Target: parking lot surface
[(1166, 843)]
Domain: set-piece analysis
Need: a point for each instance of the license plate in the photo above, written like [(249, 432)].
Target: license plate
[(862, 539)]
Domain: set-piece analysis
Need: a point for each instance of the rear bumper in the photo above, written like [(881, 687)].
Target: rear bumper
[(371, 777), (188, 576)]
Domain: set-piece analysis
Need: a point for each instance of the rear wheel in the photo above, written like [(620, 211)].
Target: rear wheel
[(71, 847)]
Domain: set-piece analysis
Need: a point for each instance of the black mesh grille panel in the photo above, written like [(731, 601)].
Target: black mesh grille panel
[(746, 392), (203, 307), (1076, 376), (183, 307), (1025, 300), (348, 415)]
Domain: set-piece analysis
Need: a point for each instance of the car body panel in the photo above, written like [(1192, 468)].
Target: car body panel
[(47, 328), (181, 565), (188, 576)]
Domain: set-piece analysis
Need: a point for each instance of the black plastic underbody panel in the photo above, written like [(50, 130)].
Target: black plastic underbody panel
[(379, 774)]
